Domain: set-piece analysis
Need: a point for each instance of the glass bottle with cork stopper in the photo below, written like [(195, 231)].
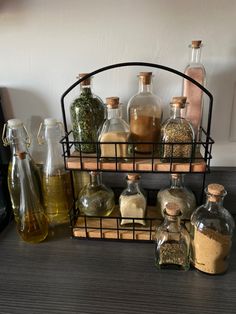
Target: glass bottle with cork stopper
[(178, 193), (114, 130), (194, 94), (32, 224), (145, 115), (172, 243), (133, 202), (96, 199), (87, 115), (177, 130), (212, 232)]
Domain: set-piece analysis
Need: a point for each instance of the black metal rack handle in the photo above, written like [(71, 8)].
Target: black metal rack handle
[(146, 64)]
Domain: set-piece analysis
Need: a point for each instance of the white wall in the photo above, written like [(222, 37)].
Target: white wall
[(44, 44)]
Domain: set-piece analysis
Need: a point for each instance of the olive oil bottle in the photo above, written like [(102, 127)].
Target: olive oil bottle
[(57, 188)]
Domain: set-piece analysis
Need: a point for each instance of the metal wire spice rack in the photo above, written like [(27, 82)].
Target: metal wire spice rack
[(109, 227)]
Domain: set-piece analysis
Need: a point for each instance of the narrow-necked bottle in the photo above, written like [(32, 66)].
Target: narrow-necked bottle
[(115, 130), (212, 232), (133, 202), (145, 115), (96, 199), (177, 193), (57, 189), (195, 70), (87, 115), (177, 130), (172, 245), (18, 139), (32, 224)]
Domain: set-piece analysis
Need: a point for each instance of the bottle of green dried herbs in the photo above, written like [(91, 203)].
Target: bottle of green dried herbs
[(179, 133), (172, 244), (87, 116)]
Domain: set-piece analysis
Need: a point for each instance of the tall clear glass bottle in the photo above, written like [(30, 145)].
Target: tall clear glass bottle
[(57, 189), (32, 225), (18, 139), (96, 199), (179, 194), (114, 129), (172, 247), (145, 115), (133, 203), (177, 130), (195, 70), (87, 115), (212, 232)]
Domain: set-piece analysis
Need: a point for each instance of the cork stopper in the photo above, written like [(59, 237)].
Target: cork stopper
[(21, 155), (85, 82), (178, 101), (215, 189), (145, 77), (112, 102), (133, 176), (196, 44), (172, 209)]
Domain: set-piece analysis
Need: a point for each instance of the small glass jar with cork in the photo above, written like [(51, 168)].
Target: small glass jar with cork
[(114, 132)]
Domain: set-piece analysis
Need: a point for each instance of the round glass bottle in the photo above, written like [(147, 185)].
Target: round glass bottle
[(212, 232), (145, 115), (87, 115), (179, 194), (177, 130), (114, 130), (95, 199), (194, 94), (172, 244), (18, 139), (57, 189), (133, 202)]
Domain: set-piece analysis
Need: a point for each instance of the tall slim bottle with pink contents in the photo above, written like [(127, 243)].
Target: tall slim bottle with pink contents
[(194, 94)]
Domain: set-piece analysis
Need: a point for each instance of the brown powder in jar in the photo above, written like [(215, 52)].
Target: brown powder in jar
[(211, 251), (110, 150), (144, 128)]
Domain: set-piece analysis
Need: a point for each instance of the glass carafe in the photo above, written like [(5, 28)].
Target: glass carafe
[(194, 94), (87, 115), (96, 199), (212, 232), (145, 115), (179, 194), (133, 202), (114, 130), (177, 130), (57, 188), (32, 224), (18, 139), (172, 244)]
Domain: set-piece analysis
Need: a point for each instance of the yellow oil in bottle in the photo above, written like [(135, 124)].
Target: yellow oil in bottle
[(33, 227), (58, 198)]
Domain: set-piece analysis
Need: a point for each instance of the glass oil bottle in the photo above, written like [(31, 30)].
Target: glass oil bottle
[(57, 187)]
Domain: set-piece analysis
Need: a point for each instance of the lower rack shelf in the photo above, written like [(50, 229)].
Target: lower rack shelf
[(109, 227)]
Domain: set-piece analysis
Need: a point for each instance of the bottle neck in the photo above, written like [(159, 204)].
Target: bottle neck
[(95, 179), (113, 113), (175, 112), (177, 181), (172, 223), (18, 140), (144, 88), (85, 89), (133, 186), (214, 203), (195, 56)]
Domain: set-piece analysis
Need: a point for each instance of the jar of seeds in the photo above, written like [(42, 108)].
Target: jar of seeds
[(177, 135)]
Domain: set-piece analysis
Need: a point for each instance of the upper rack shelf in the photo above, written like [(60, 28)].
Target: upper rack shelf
[(198, 163)]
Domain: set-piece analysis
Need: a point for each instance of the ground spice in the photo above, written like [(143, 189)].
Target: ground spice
[(210, 251), (133, 206), (114, 150)]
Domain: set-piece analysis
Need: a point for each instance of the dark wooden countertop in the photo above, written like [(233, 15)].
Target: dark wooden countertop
[(64, 275)]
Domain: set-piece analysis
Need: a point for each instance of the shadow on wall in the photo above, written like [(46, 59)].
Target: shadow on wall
[(22, 104), (7, 6)]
